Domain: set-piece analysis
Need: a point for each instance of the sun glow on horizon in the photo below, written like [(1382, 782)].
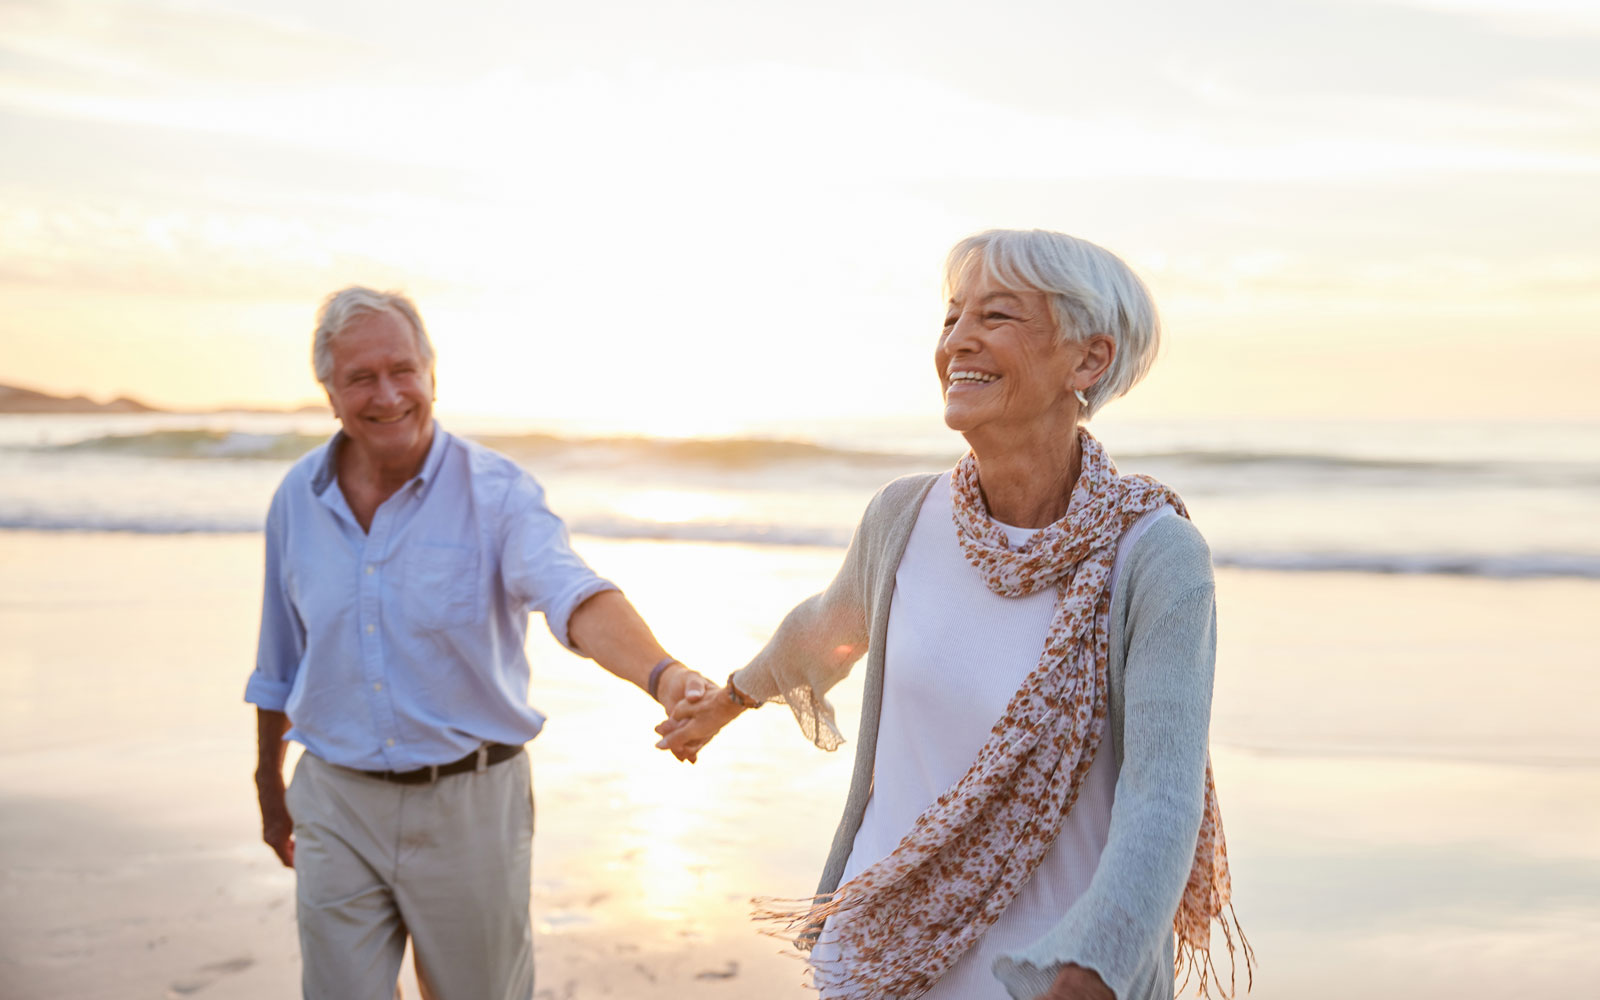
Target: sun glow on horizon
[(684, 242)]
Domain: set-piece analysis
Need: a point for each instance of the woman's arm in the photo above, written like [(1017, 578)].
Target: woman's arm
[(821, 639), (811, 651), (1123, 919)]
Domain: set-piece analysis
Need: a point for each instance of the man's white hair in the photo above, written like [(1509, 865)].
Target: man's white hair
[(1090, 291), (343, 307)]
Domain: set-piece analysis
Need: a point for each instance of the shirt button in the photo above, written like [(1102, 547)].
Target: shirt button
[(370, 628), (377, 687), (370, 569), (389, 743)]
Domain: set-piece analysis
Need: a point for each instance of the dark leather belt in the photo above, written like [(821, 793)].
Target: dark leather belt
[(493, 753)]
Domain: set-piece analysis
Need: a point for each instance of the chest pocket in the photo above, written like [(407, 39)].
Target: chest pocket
[(441, 585)]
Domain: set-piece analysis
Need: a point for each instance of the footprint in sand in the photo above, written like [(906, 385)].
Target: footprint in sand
[(728, 972), (567, 992), (208, 974)]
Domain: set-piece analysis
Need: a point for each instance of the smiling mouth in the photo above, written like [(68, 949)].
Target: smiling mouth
[(389, 420), (971, 378)]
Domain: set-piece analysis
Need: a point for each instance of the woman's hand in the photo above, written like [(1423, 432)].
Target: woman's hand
[(1074, 982), (694, 722)]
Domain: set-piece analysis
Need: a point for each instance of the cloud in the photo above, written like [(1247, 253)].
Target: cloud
[(1538, 18), (1354, 88), (152, 48), (127, 250)]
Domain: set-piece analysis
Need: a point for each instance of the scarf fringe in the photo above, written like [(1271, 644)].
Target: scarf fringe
[(1191, 957), (798, 921)]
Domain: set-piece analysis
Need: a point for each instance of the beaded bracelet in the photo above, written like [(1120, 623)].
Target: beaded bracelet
[(739, 697)]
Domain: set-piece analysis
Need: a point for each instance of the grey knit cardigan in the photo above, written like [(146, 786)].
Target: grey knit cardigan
[(1163, 648)]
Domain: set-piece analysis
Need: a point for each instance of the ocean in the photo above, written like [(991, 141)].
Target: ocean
[(1511, 501)]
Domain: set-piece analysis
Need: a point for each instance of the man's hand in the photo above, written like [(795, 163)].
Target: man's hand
[(277, 826), (1074, 982), (679, 684)]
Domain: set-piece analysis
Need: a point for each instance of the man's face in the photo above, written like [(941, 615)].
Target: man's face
[(382, 390)]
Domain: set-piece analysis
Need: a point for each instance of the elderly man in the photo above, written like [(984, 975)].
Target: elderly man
[(401, 565)]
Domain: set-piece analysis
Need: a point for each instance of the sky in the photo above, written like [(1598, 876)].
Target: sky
[(688, 216)]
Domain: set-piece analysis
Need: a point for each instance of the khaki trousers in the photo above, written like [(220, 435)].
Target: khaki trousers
[(447, 863)]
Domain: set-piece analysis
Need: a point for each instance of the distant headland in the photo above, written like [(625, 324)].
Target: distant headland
[(16, 399)]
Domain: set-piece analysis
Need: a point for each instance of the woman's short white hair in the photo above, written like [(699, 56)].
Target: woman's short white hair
[(342, 308), (1090, 291)]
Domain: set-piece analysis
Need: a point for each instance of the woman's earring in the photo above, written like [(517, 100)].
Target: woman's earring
[(1082, 399)]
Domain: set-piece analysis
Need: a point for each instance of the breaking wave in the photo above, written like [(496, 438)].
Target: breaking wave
[(1502, 566), (726, 454)]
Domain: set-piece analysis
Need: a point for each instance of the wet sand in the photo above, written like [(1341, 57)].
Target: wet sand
[(1406, 766)]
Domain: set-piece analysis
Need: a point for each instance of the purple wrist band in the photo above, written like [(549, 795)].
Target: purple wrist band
[(655, 675)]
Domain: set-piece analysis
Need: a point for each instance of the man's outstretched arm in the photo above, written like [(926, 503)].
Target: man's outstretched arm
[(607, 629)]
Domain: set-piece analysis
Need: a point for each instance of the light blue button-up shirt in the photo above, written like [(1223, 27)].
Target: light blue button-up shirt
[(402, 647)]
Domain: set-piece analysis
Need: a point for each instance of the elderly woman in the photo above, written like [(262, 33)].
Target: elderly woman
[(1032, 800)]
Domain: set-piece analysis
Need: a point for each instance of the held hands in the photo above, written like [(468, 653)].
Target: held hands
[(680, 688), (692, 724)]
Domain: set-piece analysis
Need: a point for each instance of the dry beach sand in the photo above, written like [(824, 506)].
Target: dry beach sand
[(1407, 766)]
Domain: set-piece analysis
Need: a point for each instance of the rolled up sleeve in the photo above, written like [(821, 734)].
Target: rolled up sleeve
[(541, 572), (282, 643)]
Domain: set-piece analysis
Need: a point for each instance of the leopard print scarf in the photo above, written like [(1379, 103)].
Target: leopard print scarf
[(904, 921)]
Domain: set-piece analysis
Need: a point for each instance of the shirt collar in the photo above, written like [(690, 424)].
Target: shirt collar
[(328, 469), (436, 450)]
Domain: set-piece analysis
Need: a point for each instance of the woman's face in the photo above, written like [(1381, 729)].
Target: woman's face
[(1000, 365)]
